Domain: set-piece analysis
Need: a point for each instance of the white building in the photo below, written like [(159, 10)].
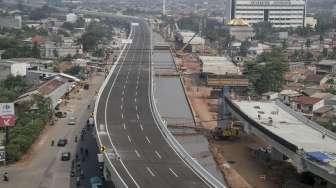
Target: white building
[(71, 18), (281, 13), (13, 68), (11, 22)]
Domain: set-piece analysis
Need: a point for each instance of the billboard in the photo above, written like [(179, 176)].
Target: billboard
[(7, 114)]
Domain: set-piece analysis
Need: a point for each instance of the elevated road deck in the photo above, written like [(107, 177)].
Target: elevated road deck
[(290, 133)]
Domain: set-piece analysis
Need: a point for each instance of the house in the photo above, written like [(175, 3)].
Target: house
[(326, 67), (307, 105), (13, 68), (55, 89), (286, 96), (240, 29), (313, 79)]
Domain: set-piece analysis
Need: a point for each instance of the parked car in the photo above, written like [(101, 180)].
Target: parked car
[(62, 142), (60, 114), (65, 156)]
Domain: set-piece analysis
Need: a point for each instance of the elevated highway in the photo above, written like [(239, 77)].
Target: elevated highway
[(290, 134), (137, 151)]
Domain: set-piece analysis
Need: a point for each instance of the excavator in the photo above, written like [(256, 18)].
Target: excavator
[(223, 133)]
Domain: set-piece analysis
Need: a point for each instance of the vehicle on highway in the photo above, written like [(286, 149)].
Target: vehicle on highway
[(62, 142), (72, 120), (65, 156), (96, 182)]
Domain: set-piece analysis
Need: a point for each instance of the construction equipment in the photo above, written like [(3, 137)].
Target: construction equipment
[(227, 132)]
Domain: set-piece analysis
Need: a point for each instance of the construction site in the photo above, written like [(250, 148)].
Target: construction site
[(243, 159)]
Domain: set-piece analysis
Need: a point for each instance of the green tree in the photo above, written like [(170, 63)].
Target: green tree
[(267, 73)]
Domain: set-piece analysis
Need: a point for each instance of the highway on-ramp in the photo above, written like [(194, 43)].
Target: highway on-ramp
[(124, 110)]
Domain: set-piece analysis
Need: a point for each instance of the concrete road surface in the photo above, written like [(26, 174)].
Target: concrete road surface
[(146, 159)]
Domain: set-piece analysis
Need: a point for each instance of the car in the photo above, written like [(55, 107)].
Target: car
[(65, 156), (96, 182), (62, 142), (72, 120), (60, 114)]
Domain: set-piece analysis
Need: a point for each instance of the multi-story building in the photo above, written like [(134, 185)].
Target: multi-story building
[(11, 22), (281, 13)]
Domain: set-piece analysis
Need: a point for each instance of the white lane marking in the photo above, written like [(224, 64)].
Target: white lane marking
[(122, 99), (158, 154), (135, 100), (122, 115), (123, 93), (137, 86), (150, 171), (136, 107), (148, 140), (124, 125), (124, 86), (126, 81), (172, 171), (136, 93), (138, 116), (121, 107), (137, 153), (141, 127), (129, 139)]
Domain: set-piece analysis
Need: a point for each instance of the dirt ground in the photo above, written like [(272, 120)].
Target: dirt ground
[(238, 166)]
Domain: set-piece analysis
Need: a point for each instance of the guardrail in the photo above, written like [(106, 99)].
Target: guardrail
[(184, 155), (305, 120), (117, 180)]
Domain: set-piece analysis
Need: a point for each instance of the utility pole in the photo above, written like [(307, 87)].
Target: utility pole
[(163, 7)]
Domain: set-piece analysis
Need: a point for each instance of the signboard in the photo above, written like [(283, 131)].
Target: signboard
[(7, 109), (7, 114), (135, 24)]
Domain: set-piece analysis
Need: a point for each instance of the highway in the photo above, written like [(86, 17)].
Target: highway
[(124, 110)]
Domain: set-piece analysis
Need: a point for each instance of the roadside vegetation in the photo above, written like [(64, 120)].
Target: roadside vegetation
[(31, 117)]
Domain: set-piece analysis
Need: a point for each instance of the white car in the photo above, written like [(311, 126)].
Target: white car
[(72, 120)]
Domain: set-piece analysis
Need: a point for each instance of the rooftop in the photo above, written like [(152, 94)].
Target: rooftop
[(327, 62), (218, 65), (306, 100)]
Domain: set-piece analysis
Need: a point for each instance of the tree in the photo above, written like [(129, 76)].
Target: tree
[(267, 73)]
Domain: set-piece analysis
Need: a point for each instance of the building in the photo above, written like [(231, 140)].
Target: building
[(240, 29), (55, 88), (326, 67), (281, 13), (218, 66), (287, 96), (67, 47), (12, 68), (311, 21), (71, 18), (14, 22), (307, 105)]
